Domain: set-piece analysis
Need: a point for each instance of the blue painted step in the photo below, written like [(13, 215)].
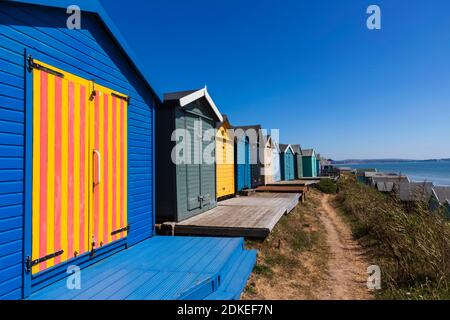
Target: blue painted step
[(235, 277)]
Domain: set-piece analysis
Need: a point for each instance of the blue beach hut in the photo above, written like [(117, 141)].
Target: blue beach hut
[(77, 168)]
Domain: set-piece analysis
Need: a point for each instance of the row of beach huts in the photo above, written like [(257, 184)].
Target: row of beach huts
[(407, 191), (88, 170)]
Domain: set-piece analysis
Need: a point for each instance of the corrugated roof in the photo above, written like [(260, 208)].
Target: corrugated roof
[(442, 194), (415, 191), (94, 6)]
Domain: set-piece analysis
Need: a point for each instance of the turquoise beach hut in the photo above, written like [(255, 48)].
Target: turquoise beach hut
[(287, 162)]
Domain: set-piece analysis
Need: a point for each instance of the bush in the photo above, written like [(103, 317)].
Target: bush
[(412, 248), (327, 186)]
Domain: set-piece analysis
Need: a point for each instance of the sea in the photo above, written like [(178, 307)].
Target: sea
[(437, 172)]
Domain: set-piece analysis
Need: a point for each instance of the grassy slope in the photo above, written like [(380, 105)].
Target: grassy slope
[(292, 260), (411, 247)]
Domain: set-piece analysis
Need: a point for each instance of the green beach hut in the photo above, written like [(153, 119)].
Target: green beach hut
[(309, 163)]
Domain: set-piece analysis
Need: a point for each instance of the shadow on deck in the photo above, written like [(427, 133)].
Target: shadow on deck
[(164, 268)]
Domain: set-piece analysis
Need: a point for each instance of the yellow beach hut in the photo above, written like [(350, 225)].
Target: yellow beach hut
[(225, 160)]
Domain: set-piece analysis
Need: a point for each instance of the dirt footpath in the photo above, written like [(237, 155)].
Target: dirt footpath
[(311, 255), (347, 267)]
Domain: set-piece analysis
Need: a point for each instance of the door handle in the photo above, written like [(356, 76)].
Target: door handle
[(99, 161)]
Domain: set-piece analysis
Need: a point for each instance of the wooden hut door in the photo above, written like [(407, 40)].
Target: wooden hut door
[(207, 169), (60, 196), (73, 202), (109, 154), (193, 169)]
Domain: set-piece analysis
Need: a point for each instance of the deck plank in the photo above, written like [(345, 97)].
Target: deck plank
[(253, 216), (158, 268)]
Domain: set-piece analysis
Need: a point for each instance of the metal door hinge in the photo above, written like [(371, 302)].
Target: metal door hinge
[(118, 96), (126, 229), (33, 65), (31, 263)]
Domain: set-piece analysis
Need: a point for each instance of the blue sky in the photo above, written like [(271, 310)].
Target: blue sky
[(308, 67)]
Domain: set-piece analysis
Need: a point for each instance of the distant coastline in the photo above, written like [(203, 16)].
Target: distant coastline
[(371, 161), (433, 170)]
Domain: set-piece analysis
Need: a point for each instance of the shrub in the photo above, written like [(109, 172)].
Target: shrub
[(327, 186)]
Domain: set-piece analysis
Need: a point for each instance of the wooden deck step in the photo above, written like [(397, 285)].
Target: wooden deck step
[(251, 217)]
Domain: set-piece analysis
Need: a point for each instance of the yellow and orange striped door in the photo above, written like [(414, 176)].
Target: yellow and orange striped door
[(109, 141), (68, 126)]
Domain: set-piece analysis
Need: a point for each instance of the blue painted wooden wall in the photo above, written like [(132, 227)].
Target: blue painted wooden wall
[(90, 53)]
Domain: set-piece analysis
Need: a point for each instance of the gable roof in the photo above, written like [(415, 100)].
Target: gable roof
[(225, 121), (285, 147), (267, 141), (297, 149), (385, 186), (395, 179), (415, 191), (275, 144), (442, 194), (94, 6), (308, 152), (183, 98)]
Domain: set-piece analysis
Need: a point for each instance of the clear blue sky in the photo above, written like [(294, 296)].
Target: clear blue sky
[(308, 67)]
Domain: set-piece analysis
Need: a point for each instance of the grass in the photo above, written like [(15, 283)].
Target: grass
[(281, 256), (328, 186), (411, 246)]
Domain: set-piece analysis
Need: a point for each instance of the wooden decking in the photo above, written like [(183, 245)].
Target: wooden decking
[(164, 268), (301, 182), (254, 216), (292, 189)]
